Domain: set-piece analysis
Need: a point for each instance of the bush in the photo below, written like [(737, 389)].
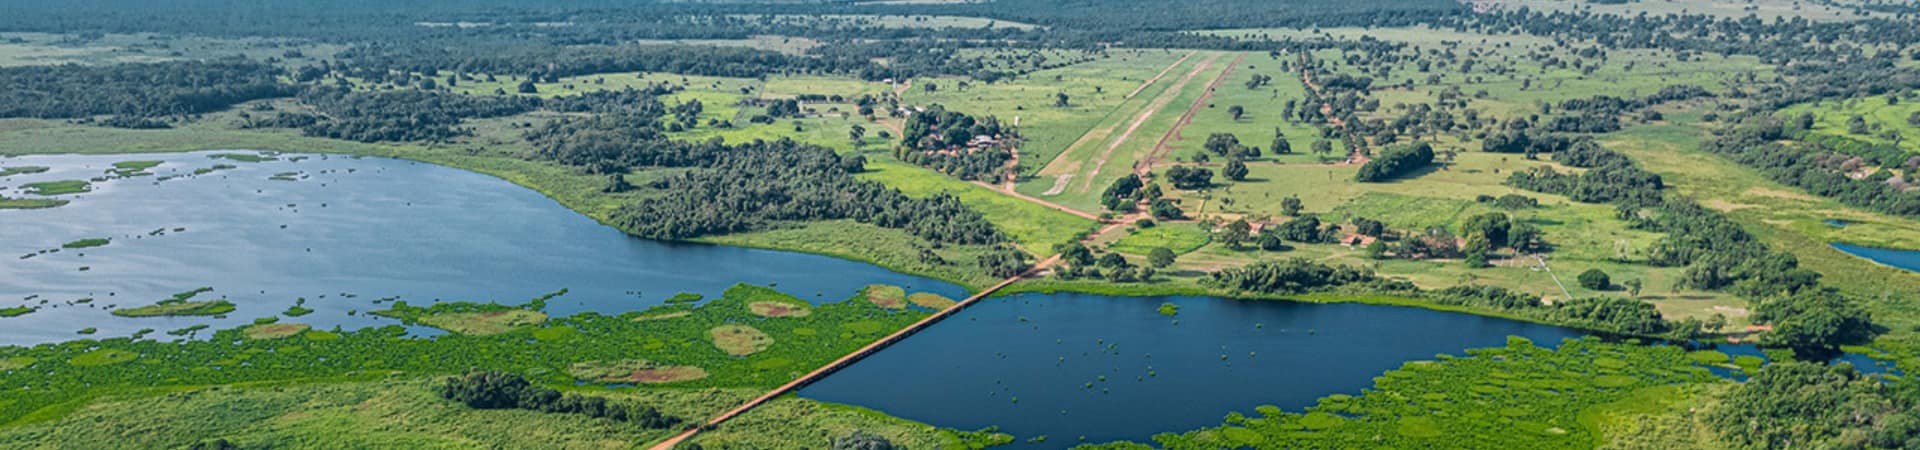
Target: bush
[(1595, 279)]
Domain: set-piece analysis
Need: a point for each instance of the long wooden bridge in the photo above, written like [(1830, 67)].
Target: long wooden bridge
[(847, 360)]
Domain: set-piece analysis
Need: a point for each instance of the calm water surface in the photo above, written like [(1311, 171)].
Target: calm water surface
[(1904, 259), (368, 228), (1033, 364)]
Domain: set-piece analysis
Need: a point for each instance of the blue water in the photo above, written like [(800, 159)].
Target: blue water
[(367, 227), (1836, 223), (1221, 356), (1904, 259)]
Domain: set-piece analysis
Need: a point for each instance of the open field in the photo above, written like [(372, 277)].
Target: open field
[(1831, 118), (1094, 89), (1126, 136), (1790, 220)]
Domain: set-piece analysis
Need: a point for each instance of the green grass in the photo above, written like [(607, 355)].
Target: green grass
[(1831, 117), (75, 375), (30, 203), (792, 421), (62, 187), (1096, 91), (1151, 115), (1790, 220), (17, 311), (1037, 228), (87, 243), (1518, 396), (358, 412), (1181, 238), (21, 170), (178, 308)]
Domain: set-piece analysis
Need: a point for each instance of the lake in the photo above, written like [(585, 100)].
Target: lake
[(1904, 259), (1033, 364), (369, 228)]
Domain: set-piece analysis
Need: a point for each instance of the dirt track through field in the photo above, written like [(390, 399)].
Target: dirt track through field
[(1160, 148), (1156, 77), (1086, 183), (1066, 168)]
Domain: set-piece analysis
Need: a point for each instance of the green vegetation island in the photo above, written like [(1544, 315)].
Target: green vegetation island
[(1655, 172)]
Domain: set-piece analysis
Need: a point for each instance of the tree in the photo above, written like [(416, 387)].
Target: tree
[(1160, 257), (1075, 254), (1272, 242), (1164, 209), (861, 440), (1291, 205), (1857, 125), (1377, 249), (1236, 112), (1805, 121), (617, 182), (1322, 146), (1282, 147), (1235, 170), (857, 132), (1595, 279), (1235, 233), (1715, 323), (1112, 261), (1493, 227), (1633, 287), (1190, 178), (1060, 100), (1221, 144), (1914, 119), (527, 87)]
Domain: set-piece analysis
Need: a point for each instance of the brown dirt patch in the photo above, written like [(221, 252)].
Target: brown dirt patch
[(487, 323), (740, 340), (1726, 206), (890, 297), (778, 309), (275, 330), (934, 301), (1776, 193), (634, 371)]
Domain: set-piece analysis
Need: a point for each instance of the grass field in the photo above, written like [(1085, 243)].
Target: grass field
[(1831, 117), (1125, 135), (1096, 90), (1790, 220)]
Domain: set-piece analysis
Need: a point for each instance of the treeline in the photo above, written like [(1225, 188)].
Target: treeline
[(135, 91), (394, 116), (377, 61), (752, 186), (499, 390), (1292, 276), (1300, 275), (1717, 253), (1396, 161), (951, 142), (1614, 314), (1609, 177)]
